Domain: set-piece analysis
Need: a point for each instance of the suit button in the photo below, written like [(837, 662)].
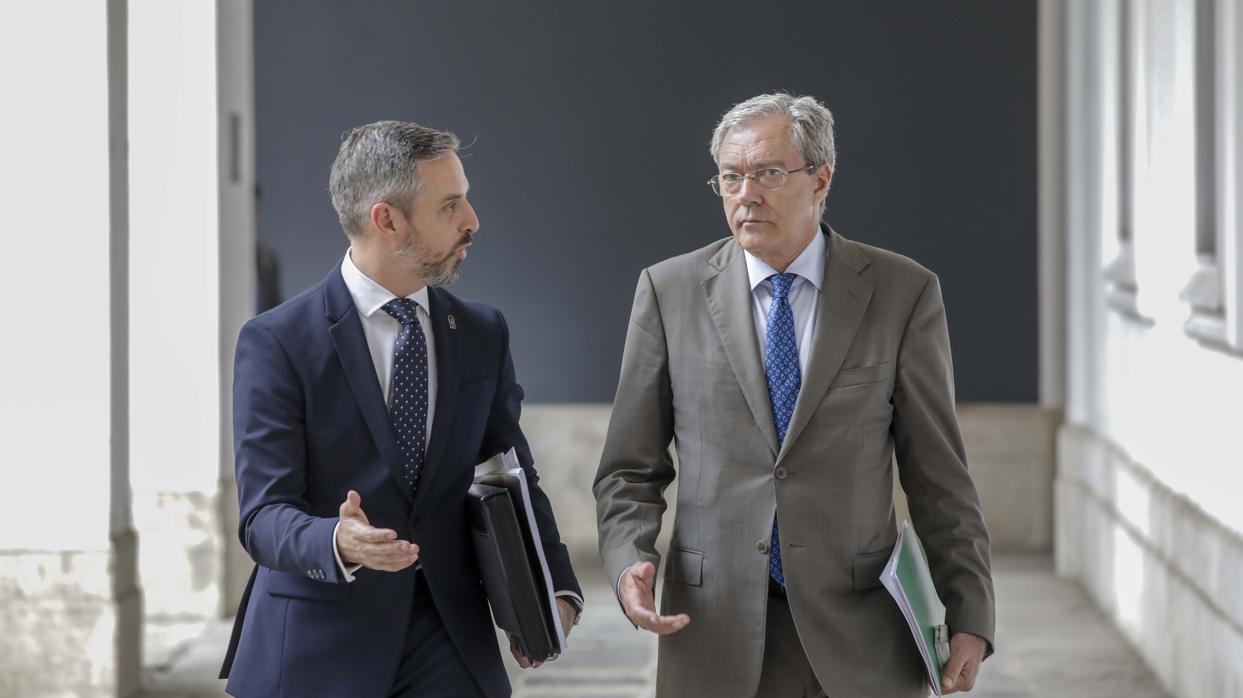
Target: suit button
[(762, 546), (781, 473)]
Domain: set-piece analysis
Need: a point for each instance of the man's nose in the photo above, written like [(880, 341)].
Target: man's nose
[(472, 220), (750, 193)]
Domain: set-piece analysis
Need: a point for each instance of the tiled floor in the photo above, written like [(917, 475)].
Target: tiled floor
[(1052, 642)]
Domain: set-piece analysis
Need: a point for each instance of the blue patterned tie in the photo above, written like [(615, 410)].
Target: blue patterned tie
[(784, 379), (407, 398)]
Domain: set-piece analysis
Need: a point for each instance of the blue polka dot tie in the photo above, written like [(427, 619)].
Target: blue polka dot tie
[(407, 397), (784, 379)]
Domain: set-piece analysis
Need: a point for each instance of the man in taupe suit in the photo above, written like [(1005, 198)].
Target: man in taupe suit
[(788, 365)]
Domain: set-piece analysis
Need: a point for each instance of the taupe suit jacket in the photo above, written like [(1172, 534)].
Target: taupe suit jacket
[(880, 382)]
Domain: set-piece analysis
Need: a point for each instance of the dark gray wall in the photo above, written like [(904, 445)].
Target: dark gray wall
[(590, 122)]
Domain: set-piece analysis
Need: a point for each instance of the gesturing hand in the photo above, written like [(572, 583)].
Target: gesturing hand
[(637, 592), (359, 543)]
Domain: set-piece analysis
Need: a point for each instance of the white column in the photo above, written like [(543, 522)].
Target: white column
[(1089, 195), (1165, 147), (69, 601), (174, 292), (191, 250)]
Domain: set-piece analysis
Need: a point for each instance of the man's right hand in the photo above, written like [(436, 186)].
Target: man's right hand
[(359, 543), (637, 591)]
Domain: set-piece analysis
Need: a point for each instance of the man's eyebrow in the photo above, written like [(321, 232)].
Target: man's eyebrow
[(453, 197), (761, 165)]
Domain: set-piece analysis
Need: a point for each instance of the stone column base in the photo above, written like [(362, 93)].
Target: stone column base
[(72, 620), (1166, 573)]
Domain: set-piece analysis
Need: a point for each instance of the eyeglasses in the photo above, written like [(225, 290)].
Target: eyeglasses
[(770, 178)]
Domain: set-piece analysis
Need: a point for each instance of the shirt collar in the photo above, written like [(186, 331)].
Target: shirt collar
[(809, 264), (369, 296)]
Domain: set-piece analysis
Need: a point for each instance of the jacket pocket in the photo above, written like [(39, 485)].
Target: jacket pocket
[(295, 587), (860, 375), (685, 567), (867, 568)]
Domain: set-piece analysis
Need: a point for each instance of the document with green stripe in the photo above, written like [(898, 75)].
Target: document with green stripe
[(909, 582)]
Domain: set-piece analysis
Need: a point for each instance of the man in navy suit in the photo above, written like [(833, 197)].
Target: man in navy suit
[(360, 408)]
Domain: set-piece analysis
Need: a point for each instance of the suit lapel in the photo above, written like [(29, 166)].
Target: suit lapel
[(843, 300), (729, 302), (351, 346), (446, 341)]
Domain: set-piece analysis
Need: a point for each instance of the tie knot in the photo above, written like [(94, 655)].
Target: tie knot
[(781, 284), (403, 309)]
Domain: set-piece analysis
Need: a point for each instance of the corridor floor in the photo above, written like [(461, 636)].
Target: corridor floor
[(1053, 642)]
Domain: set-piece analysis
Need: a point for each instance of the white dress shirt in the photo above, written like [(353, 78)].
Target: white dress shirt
[(381, 330), (804, 295)]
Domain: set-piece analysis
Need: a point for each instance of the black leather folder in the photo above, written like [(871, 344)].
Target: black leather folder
[(518, 598)]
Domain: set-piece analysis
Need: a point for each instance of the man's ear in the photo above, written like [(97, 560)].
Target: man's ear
[(384, 219), (824, 177)]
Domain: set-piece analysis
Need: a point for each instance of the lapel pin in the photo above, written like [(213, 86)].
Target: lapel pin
[(452, 323)]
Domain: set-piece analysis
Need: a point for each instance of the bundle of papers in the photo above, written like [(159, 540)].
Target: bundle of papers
[(907, 578)]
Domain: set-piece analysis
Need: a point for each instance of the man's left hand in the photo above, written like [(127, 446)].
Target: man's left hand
[(568, 613), (966, 653)]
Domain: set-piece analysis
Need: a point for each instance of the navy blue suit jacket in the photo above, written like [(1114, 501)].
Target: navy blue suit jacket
[(310, 423)]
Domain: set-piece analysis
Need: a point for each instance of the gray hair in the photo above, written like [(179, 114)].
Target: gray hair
[(811, 125), (378, 163)]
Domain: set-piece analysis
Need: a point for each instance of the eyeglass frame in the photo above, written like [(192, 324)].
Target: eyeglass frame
[(715, 180)]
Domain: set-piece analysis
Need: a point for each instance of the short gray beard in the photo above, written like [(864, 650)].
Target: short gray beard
[(414, 254)]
